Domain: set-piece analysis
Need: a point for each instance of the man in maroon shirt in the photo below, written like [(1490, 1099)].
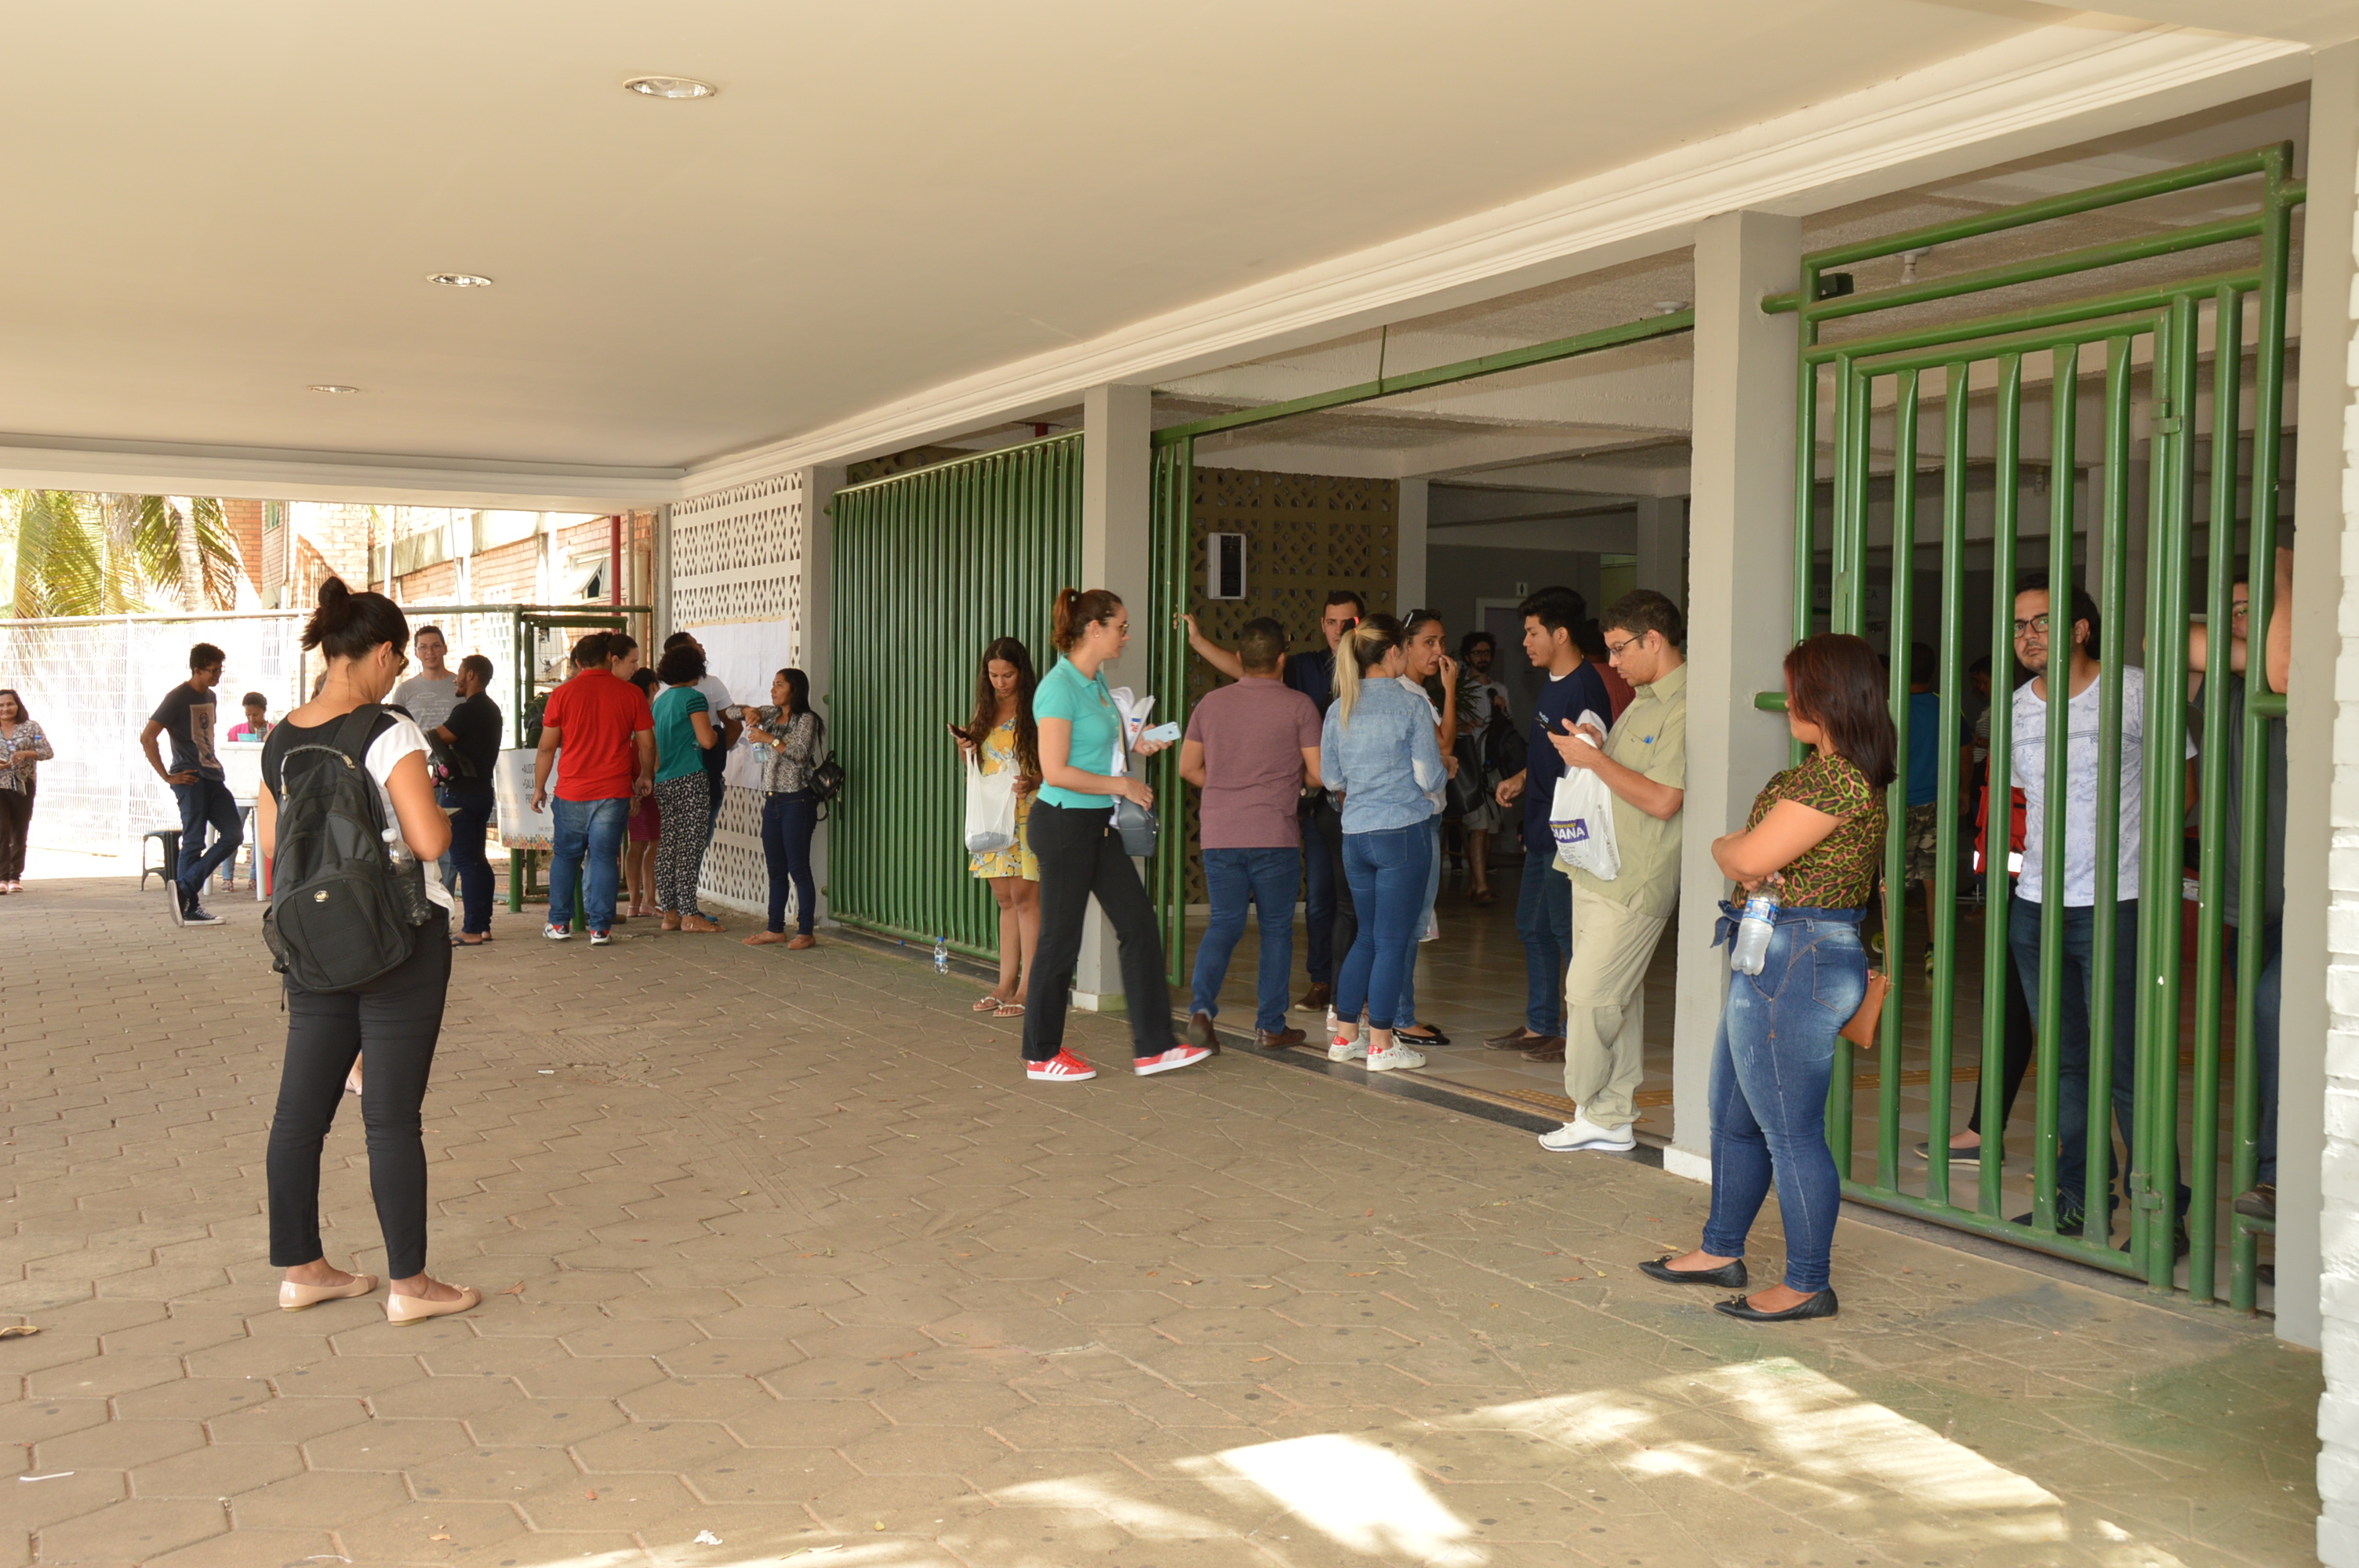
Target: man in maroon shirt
[(606, 733), (1251, 747)]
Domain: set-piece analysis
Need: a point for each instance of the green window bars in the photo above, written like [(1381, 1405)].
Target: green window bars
[(2139, 348)]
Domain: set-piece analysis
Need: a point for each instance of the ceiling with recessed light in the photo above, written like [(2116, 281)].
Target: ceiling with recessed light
[(220, 209)]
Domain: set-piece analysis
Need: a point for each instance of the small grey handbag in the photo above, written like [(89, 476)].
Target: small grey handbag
[(1135, 823)]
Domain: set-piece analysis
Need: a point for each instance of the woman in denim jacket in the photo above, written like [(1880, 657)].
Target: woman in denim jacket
[(1817, 834), (1378, 752)]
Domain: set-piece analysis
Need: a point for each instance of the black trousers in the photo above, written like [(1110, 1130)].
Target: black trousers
[(1080, 856), (15, 824), (391, 1024), (2015, 1059)]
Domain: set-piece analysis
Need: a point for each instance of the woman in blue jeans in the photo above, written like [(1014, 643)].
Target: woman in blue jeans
[(1377, 751), (1815, 835), (793, 740)]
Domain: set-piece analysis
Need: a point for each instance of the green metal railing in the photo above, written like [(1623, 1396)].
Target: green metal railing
[(931, 565), (2159, 328)]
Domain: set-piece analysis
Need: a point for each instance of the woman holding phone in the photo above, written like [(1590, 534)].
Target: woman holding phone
[(1002, 736), (1080, 854), (1425, 659), (1816, 833)]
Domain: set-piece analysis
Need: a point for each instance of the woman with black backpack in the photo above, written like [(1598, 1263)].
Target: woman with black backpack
[(341, 916)]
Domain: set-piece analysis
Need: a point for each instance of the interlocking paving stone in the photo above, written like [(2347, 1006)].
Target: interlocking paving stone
[(804, 1262)]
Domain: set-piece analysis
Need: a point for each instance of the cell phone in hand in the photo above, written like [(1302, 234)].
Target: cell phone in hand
[(1162, 734)]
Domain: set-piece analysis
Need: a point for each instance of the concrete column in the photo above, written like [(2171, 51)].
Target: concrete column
[(2317, 1096), (1739, 619), (1410, 548), (1117, 467), (809, 619), (1663, 545)]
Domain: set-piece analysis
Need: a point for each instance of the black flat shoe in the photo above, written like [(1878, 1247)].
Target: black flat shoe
[(1431, 1037), (1819, 1305), (1728, 1276)]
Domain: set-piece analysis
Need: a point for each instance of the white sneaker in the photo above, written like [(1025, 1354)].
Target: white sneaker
[(1392, 1056), (600, 938), (1341, 1050), (1581, 1133), (557, 933), (1333, 1028)]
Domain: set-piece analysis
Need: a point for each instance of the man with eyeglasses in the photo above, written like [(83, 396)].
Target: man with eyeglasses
[(198, 783), (2259, 1202), (1616, 924), (2037, 634)]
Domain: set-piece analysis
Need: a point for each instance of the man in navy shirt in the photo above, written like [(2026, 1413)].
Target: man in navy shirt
[(1327, 897), (1552, 618)]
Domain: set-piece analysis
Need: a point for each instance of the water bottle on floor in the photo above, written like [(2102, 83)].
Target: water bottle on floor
[(1750, 951), (941, 957)]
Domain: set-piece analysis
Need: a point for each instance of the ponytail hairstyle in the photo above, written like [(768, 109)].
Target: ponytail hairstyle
[(1012, 651), (1362, 648), (1080, 608), (346, 625)]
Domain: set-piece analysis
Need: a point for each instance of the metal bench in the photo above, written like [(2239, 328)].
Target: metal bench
[(171, 870)]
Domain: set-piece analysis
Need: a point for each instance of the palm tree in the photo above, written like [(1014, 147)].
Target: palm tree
[(78, 554)]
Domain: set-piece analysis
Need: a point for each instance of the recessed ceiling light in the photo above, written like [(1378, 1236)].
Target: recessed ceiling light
[(671, 87), (459, 279), (330, 386)]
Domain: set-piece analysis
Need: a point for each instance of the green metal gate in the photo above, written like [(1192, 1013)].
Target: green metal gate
[(2144, 347), (928, 567)]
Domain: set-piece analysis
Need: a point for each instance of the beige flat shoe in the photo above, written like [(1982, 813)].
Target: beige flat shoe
[(403, 1311), (293, 1297)]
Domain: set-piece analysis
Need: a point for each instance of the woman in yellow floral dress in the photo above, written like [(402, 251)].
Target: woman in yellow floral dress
[(1003, 736)]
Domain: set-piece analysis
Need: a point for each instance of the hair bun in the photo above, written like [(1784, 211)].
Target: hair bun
[(333, 593)]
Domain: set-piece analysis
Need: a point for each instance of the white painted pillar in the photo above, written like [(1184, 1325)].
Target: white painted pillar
[(810, 625), (1410, 548), (1663, 545), (1741, 612), (1117, 468)]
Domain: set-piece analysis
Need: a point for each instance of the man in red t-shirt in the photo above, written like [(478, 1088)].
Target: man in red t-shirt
[(607, 733)]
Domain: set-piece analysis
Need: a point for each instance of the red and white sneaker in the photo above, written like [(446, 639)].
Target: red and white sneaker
[(1178, 1056), (1064, 1067), (1343, 1048)]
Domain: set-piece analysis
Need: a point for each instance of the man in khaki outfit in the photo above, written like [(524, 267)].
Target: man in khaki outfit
[(1616, 924)]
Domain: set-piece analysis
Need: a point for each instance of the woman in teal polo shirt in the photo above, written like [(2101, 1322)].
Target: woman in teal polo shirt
[(1073, 838)]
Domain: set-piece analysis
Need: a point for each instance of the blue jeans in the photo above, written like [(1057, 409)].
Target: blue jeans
[(1387, 872), (1770, 1064), (2072, 1045), (2268, 998), (1406, 1008), (205, 801), (469, 817), (588, 850), (788, 822), (1266, 879), (1544, 922)]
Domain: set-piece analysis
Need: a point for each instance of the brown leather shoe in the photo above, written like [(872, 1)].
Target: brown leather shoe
[(1514, 1040), (1284, 1040), (1202, 1033), (1546, 1048), (1317, 998)]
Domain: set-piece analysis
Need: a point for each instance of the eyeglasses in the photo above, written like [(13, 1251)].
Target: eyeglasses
[(1614, 649), (2034, 627)]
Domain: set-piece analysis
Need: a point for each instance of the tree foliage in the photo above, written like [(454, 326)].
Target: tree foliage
[(78, 554)]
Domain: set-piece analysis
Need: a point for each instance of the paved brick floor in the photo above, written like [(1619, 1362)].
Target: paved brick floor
[(799, 1267)]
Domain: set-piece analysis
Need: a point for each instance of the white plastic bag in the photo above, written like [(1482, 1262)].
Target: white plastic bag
[(1581, 818), (990, 810)]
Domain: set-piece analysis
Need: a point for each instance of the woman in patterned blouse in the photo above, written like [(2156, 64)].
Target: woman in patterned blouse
[(793, 737), (1816, 833), (22, 745)]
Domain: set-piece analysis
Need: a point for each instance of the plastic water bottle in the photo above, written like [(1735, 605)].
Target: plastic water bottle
[(397, 850), (941, 957), (1750, 951)]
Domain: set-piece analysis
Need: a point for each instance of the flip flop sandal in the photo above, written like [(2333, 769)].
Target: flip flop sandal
[(987, 1004), (1010, 1010)]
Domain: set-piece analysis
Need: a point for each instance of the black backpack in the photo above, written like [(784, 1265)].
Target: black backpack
[(341, 914), (826, 781)]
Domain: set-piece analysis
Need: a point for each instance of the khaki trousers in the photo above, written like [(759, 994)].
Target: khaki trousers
[(1604, 1007)]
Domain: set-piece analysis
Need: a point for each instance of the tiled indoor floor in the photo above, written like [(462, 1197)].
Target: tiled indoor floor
[(788, 1263)]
